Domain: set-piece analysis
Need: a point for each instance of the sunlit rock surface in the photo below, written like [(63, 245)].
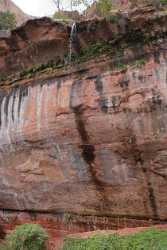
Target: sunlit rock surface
[(83, 151)]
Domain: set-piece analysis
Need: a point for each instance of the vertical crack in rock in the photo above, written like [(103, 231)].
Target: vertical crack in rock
[(88, 150), (152, 198)]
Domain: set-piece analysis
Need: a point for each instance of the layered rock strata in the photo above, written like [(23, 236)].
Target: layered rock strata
[(84, 147)]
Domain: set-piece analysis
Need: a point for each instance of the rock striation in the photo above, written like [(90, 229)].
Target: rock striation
[(84, 146)]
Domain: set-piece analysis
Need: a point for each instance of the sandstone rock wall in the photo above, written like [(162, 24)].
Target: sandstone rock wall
[(39, 41), (82, 151), (89, 146), (42, 40)]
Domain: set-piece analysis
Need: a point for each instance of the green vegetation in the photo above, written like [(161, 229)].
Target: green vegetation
[(104, 7), (152, 239), (139, 63), (39, 68), (114, 49), (92, 49), (7, 20), (163, 2), (60, 15), (26, 237)]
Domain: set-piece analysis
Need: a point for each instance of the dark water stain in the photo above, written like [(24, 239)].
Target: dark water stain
[(99, 85), (80, 124), (6, 106), (157, 57), (14, 98), (23, 92), (88, 150), (103, 100), (74, 93), (88, 153), (151, 195), (124, 82), (59, 84)]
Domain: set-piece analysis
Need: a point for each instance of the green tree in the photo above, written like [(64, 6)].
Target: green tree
[(7, 20)]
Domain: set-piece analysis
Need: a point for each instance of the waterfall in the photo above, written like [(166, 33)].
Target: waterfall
[(72, 39)]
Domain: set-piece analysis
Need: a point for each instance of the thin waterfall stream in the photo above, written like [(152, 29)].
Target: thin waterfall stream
[(72, 39)]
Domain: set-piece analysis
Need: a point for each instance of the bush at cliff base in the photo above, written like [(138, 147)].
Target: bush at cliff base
[(26, 237), (152, 239)]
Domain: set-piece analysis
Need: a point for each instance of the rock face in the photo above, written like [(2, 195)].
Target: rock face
[(85, 147), (39, 41), (8, 5)]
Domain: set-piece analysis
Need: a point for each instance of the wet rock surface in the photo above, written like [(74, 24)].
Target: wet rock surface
[(41, 41), (86, 151)]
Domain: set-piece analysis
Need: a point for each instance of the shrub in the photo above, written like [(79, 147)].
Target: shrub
[(7, 20), (151, 239), (26, 237)]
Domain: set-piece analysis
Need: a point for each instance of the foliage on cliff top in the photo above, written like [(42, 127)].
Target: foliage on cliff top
[(26, 237), (151, 239), (7, 20)]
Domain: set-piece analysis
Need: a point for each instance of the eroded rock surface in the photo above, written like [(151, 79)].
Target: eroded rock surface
[(38, 41), (85, 148)]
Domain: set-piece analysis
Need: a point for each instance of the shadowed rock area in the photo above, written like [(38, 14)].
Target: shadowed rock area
[(83, 145)]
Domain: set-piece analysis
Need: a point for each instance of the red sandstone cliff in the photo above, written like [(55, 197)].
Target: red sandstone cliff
[(84, 146)]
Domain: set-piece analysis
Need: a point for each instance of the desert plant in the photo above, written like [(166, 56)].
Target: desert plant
[(26, 237)]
